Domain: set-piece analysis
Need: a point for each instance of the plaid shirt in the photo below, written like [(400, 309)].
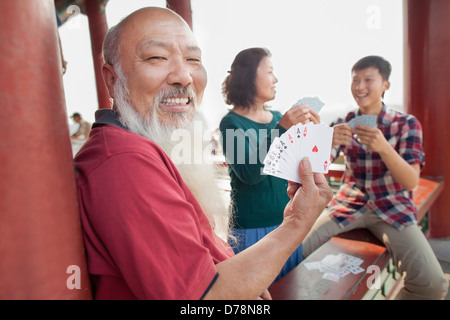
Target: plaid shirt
[(367, 183)]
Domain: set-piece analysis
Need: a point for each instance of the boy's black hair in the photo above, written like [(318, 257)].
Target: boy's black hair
[(383, 66)]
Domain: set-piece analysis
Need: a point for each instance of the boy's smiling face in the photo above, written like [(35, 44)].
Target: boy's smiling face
[(368, 87)]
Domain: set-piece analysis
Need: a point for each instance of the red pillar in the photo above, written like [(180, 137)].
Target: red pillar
[(98, 28), (40, 232), (183, 8), (427, 94)]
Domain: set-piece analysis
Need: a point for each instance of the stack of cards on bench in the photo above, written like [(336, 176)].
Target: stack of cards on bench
[(286, 152), (337, 266)]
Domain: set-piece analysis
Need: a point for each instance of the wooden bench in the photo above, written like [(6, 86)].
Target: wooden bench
[(303, 284)]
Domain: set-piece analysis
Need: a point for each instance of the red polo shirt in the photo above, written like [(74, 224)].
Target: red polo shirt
[(145, 234)]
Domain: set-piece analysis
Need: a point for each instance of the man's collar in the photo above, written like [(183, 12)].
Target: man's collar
[(385, 117), (107, 116)]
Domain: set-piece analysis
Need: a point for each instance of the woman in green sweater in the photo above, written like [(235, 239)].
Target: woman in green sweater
[(247, 132)]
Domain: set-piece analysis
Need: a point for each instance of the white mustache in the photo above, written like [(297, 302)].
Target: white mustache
[(176, 92)]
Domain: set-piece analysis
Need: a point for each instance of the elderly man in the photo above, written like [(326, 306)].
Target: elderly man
[(150, 227)]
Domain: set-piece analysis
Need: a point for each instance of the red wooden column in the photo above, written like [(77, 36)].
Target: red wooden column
[(183, 8), (98, 27), (41, 245), (427, 92)]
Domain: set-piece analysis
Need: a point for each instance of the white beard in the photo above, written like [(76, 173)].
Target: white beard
[(201, 178)]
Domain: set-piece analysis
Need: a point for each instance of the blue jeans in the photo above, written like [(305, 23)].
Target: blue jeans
[(247, 237)]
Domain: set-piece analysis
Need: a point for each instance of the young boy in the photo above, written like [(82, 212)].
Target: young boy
[(383, 166)]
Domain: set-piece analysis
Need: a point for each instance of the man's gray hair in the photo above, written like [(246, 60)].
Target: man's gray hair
[(111, 45)]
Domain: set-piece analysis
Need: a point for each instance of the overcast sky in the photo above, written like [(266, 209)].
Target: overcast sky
[(314, 44)]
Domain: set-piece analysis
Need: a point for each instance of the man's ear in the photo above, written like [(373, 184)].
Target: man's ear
[(110, 78), (387, 85)]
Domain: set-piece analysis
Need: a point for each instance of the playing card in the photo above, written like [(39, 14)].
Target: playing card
[(333, 263), (290, 144), (312, 102), (343, 273), (354, 269), (365, 119), (312, 265), (275, 150), (351, 259), (331, 276), (274, 162), (317, 146), (301, 133)]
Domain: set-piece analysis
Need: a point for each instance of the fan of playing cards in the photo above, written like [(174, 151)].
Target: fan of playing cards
[(365, 119), (311, 140), (312, 102), (286, 151)]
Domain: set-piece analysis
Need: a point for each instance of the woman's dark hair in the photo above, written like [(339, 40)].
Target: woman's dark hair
[(239, 87), (383, 66)]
